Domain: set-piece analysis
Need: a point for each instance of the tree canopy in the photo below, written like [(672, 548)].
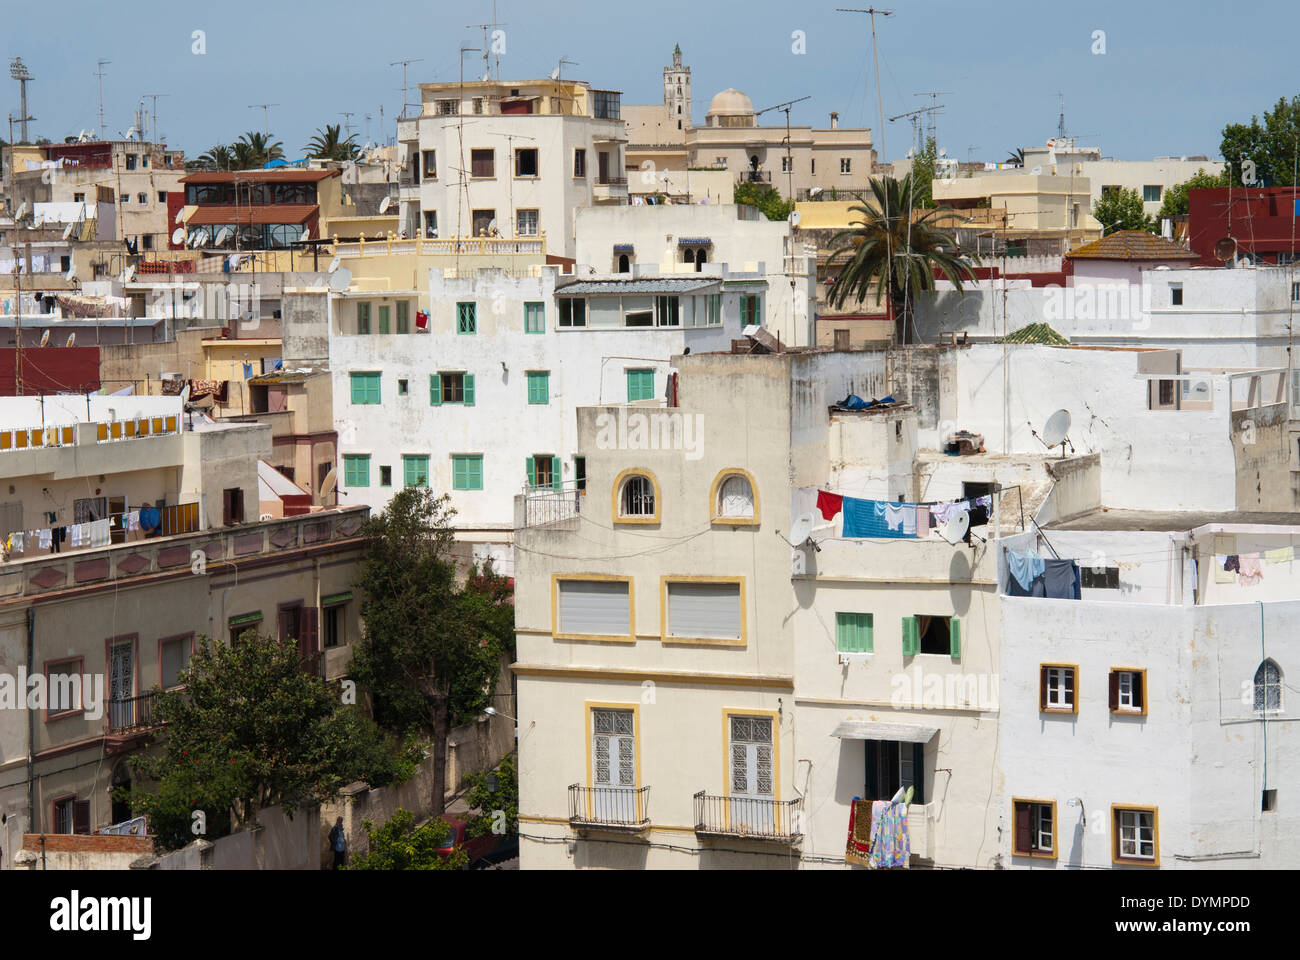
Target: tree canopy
[(1175, 198), (400, 845), (764, 196), (1122, 210), (330, 144), (1270, 145)]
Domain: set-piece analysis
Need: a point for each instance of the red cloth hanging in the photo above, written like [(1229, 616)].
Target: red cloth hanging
[(829, 504)]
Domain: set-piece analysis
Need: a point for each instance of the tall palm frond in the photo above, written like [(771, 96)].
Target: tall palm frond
[(330, 144)]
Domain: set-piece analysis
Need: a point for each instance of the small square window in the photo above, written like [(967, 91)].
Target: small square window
[(1175, 294), (385, 476), (467, 471), (853, 632), (526, 162), (1035, 829), (1268, 803), (1128, 691), (415, 470), (1136, 837), (1057, 690), (401, 388), (539, 387), (1151, 193)]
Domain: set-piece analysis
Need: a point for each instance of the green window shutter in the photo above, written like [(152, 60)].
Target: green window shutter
[(435, 389), (358, 388), (539, 387), (469, 389), (532, 472), (458, 471), (476, 473), (356, 470), (363, 318), (911, 637), (365, 388), (853, 632), (954, 636), (640, 385), (403, 317), (557, 479), (383, 318), (534, 318)]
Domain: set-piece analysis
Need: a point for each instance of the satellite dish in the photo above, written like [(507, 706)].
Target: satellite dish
[(306, 234), (1224, 249), (130, 134), (384, 204), (1057, 428), (178, 236), (67, 231), (485, 77), (204, 239), (802, 529), (955, 527), (327, 485), (795, 217), (185, 394), (235, 261), (223, 235), (72, 339), (1037, 170), (555, 74), (81, 136), (492, 226), (334, 264), (71, 274), (180, 215), (340, 279), (22, 211), (129, 275), (45, 338)]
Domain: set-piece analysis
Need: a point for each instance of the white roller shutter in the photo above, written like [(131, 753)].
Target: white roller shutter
[(709, 610), (596, 607)]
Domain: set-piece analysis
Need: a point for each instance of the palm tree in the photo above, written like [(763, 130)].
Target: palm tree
[(255, 149), (917, 251), (329, 144), (1016, 157), (219, 157)]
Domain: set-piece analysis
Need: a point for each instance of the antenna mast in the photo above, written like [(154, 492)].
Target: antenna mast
[(789, 159), (100, 73), (409, 60), (266, 115), (18, 70), (157, 138)]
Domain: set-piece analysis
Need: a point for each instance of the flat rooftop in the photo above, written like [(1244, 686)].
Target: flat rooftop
[(1172, 520)]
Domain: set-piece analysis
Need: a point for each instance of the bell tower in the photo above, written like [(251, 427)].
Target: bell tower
[(677, 91)]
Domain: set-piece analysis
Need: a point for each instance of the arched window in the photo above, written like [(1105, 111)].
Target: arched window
[(1268, 688), (623, 265), (734, 500), (688, 255), (701, 258), (637, 498)]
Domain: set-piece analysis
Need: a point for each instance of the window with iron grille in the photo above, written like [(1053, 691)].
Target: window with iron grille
[(526, 223), (613, 748), (751, 754), (1268, 688), (637, 498), (448, 108), (466, 318)]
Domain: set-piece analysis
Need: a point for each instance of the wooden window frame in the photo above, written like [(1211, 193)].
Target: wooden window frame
[(558, 578), (163, 641), (669, 639), (1036, 854), (1043, 707), (1115, 810), (50, 665), (1112, 691)]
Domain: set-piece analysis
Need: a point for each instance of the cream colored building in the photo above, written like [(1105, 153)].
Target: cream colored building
[(1043, 213), (1150, 178), (684, 697)]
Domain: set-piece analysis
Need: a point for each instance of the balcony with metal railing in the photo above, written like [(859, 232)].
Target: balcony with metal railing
[(754, 818), (547, 505), (619, 809), (130, 717)]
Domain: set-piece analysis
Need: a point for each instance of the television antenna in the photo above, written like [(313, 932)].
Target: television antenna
[(934, 96), (347, 120), (557, 73), (789, 160), (1056, 432), (100, 73), (915, 117), (156, 138), (266, 115), (404, 63), (487, 47)]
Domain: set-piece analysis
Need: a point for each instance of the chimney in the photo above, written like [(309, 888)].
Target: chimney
[(835, 120)]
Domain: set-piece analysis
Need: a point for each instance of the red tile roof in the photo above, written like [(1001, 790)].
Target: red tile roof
[(279, 175), (1132, 245), (212, 214)]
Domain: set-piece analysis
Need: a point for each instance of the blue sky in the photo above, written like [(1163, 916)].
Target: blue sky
[(1173, 72)]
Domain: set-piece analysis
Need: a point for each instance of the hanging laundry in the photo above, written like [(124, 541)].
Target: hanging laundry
[(858, 848), (421, 320), (890, 846), (922, 520), (1231, 563), (1221, 572), (986, 502), (894, 516), (1280, 555), (866, 519), (1025, 568), (100, 533), (979, 516), (829, 504), (45, 539), (248, 371), (133, 520), (944, 511), (16, 541), (1250, 570), (1061, 579)]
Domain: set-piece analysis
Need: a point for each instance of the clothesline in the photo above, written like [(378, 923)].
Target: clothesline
[(885, 519), (91, 533)]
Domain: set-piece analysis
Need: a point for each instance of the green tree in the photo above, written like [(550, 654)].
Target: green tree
[(1271, 145), (432, 649), (400, 845), (330, 144), (495, 795), (881, 254), (249, 730), (764, 196), (255, 150), (1016, 157), (923, 175), (1122, 210), (217, 157), (1175, 198)]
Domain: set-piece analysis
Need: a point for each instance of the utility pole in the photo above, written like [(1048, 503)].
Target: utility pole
[(266, 115), (347, 120), (18, 70), (789, 158), (402, 115), (100, 73)]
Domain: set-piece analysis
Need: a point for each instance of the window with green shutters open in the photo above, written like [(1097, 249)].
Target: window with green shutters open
[(467, 471), (940, 636), (356, 470), (415, 470), (403, 316), (534, 318), (751, 309), (466, 318), (363, 318), (365, 388), (544, 472), (713, 310), (853, 632), (450, 387), (1035, 828), (539, 386), (640, 385), (384, 311)]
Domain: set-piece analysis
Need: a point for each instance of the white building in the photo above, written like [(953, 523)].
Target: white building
[(490, 158), (1149, 723), (1150, 178)]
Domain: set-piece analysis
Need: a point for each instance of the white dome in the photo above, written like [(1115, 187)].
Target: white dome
[(731, 103)]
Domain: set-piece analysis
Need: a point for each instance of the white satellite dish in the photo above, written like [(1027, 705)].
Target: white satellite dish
[(81, 136), (486, 77), (340, 279), (384, 204), (555, 74), (235, 261), (45, 338), (129, 275), (67, 231), (130, 134), (954, 528), (22, 211), (72, 339), (71, 274), (223, 235), (492, 226), (802, 529), (334, 264), (204, 239), (1057, 428), (795, 217), (178, 235), (306, 234), (180, 215), (327, 485)]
